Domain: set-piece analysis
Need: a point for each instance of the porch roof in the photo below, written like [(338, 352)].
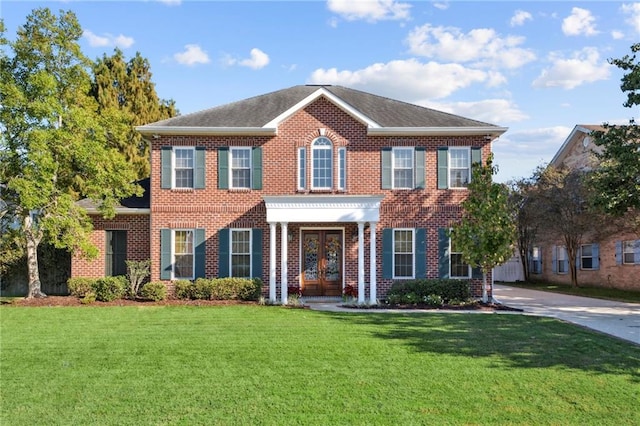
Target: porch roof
[(323, 208)]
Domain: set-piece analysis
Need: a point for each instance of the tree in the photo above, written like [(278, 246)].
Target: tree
[(486, 231), (125, 92), (526, 215), (53, 142), (616, 182)]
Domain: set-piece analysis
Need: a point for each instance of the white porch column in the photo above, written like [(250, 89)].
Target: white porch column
[(372, 263), (360, 262), (272, 262), (283, 262)]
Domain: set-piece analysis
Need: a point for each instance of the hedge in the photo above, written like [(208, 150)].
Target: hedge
[(429, 291)]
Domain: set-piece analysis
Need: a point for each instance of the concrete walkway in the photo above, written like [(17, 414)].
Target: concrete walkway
[(615, 318)]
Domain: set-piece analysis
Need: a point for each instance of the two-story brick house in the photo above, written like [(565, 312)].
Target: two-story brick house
[(604, 259), (316, 186)]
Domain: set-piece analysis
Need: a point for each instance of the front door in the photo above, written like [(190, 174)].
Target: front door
[(322, 263)]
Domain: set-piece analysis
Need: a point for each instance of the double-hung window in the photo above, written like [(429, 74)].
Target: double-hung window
[(628, 252), (183, 254), (587, 256), (322, 163), (403, 168), (536, 260), (403, 253), (459, 269), (241, 253), (459, 167), (240, 168), (562, 260), (183, 167)]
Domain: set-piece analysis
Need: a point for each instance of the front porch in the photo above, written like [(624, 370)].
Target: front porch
[(322, 211)]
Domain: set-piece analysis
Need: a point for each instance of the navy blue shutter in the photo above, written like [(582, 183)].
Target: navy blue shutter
[(387, 253), (443, 168), (476, 155), (554, 259), (386, 168), (256, 253), (256, 168), (443, 253), (223, 168), (538, 266), (166, 172), (618, 252), (200, 253), (199, 170), (476, 272), (636, 252), (223, 253), (565, 262), (165, 254), (420, 160), (595, 252), (421, 253)]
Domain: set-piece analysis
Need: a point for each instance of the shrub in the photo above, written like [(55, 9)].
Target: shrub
[(184, 289), (137, 272), (88, 298), (425, 290), (155, 291), (203, 289), (110, 288), (81, 286)]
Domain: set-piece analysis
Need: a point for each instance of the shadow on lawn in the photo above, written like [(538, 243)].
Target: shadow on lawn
[(514, 340)]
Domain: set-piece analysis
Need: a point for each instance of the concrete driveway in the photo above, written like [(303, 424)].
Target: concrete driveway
[(615, 318)]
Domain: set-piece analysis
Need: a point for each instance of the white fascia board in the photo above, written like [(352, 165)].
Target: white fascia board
[(437, 131), (562, 151), (331, 97), (206, 131), (323, 208)]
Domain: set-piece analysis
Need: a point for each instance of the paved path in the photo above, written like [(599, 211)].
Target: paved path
[(615, 318)]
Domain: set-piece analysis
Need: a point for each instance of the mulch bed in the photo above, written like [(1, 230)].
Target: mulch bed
[(51, 301)]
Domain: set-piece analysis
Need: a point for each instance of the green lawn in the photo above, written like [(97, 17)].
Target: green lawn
[(241, 365), (597, 292)]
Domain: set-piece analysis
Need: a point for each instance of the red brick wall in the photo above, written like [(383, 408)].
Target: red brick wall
[(214, 209), (137, 227)]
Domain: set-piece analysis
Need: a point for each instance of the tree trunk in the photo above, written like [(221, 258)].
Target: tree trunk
[(32, 240), (573, 270)]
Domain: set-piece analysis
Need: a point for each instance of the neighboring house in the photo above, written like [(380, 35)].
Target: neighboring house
[(613, 261), (311, 186)]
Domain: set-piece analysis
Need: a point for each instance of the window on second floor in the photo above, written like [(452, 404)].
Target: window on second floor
[(240, 167), (322, 167), (403, 167), (182, 167), (455, 166), (322, 164)]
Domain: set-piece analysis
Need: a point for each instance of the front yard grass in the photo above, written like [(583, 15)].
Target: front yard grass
[(159, 365), (596, 292)]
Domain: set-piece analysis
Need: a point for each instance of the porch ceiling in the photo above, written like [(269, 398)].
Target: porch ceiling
[(323, 208)]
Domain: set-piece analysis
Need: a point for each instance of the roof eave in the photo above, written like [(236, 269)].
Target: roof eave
[(121, 210), (436, 131), (206, 131)]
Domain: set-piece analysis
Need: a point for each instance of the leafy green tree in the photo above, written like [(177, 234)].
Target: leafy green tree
[(486, 231), (53, 143), (616, 182), (125, 92), (526, 215)]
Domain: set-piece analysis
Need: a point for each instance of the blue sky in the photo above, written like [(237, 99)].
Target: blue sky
[(538, 68)]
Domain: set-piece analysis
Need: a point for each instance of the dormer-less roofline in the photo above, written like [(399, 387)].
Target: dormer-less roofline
[(206, 131), (437, 131)]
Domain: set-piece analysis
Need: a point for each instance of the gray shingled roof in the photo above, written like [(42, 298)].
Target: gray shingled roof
[(133, 202), (259, 110)]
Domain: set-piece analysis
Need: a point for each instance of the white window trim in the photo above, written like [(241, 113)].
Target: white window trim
[(302, 168), (455, 277), (342, 168), (631, 245), (393, 166), (231, 168), (231, 253), (413, 253), (458, 148), (173, 166), (536, 258), (173, 254), (311, 162), (562, 249), (583, 257)]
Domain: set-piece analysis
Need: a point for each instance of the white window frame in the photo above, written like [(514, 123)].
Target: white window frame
[(394, 150), (451, 253), (232, 168), (174, 254), (342, 168), (582, 257), (561, 257), (413, 253), (232, 253), (536, 257), (315, 148), (174, 168), (450, 168), (628, 249), (302, 168)]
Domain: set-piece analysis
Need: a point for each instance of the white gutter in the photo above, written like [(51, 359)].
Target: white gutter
[(206, 131), (436, 131)]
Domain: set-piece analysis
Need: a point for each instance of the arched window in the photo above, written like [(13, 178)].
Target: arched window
[(322, 163)]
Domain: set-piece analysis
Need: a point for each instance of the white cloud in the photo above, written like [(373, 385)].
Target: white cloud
[(580, 22), (257, 60), (192, 55), (108, 40), (582, 67), (497, 111), (370, 10), (633, 15), (442, 5), (519, 18), (481, 46), (170, 2), (407, 80), (617, 35)]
